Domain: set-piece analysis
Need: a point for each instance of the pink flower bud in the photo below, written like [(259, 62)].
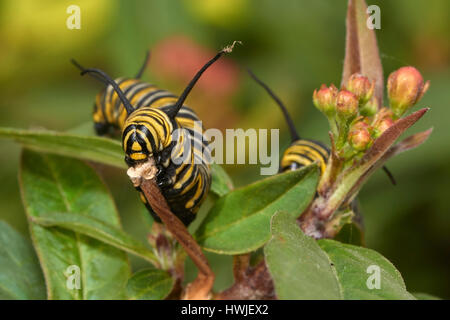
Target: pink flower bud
[(405, 88), (361, 86), (346, 105), (360, 139), (360, 123), (325, 99), (383, 113), (382, 121), (384, 124)]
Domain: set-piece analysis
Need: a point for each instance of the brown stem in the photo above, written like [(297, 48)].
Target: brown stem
[(200, 288), (177, 290), (309, 221), (241, 263), (251, 283)]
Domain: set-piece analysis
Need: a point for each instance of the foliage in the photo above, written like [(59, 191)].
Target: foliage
[(74, 221), (248, 211), (149, 284), (71, 213), (20, 274), (306, 269), (55, 184)]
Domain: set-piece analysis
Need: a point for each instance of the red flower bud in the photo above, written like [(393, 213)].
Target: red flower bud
[(361, 86), (360, 123), (383, 113), (360, 139), (347, 105), (325, 99), (382, 121), (405, 88), (383, 125)]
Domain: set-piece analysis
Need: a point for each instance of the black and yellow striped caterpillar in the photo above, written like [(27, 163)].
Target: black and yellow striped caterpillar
[(148, 117), (301, 152)]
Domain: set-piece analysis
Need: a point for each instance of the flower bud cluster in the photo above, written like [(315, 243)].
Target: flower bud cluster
[(355, 115)]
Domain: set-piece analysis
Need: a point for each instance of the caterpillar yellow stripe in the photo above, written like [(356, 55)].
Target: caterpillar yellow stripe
[(147, 117), (303, 153)]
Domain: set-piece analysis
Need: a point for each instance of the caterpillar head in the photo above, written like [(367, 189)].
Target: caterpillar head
[(139, 139), (147, 132), (136, 145)]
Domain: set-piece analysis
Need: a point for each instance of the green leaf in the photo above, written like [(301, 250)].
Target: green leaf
[(239, 222), (97, 229), (305, 269), (52, 183), (221, 182), (356, 266), (96, 149), (149, 284), (425, 296), (299, 268), (85, 129), (20, 274), (102, 150)]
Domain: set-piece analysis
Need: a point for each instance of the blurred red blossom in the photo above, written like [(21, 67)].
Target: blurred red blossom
[(179, 58)]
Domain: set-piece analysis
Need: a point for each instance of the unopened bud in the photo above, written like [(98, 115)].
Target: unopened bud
[(383, 113), (346, 105), (325, 100), (405, 88), (360, 139), (360, 123), (382, 125), (361, 86)]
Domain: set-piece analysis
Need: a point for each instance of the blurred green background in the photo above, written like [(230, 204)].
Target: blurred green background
[(293, 45)]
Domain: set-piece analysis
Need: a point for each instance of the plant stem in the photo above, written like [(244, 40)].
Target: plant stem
[(333, 126), (332, 169), (200, 288), (251, 283)]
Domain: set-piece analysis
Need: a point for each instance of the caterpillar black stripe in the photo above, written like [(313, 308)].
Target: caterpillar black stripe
[(148, 117), (301, 152)]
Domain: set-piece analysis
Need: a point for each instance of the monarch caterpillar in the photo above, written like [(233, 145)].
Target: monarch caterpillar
[(302, 152), (148, 117)]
